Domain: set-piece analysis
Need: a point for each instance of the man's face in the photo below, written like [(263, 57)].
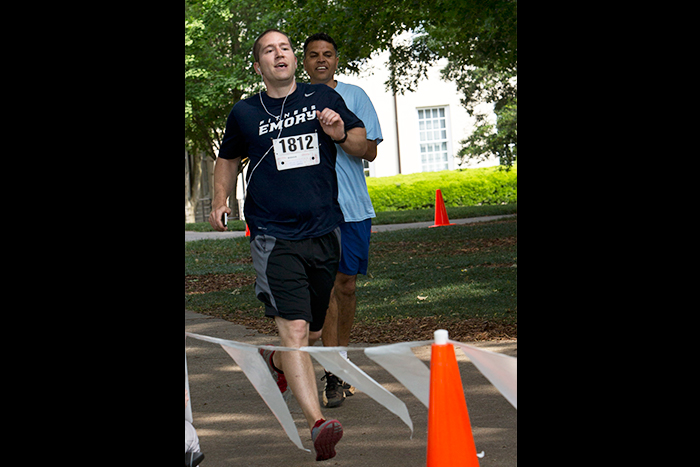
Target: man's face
[(321, 62), (277, 60)]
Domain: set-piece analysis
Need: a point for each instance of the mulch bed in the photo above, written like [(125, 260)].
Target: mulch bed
[(216, 283), (423, 329), (391, 331)]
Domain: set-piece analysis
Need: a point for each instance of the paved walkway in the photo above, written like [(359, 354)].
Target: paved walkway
[(237, 429), (195, 236)]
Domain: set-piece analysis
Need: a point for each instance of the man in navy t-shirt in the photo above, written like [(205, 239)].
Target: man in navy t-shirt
[(292, 210), (292, 180)]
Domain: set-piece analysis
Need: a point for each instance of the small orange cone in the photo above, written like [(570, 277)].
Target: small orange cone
[(450, 437), (441, 218), (247, 230)]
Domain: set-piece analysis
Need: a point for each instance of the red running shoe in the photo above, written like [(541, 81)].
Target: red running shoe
[(278, 376), (326, 436)]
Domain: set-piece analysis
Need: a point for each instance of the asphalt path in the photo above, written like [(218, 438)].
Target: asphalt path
[(237, 429), (196, 236)]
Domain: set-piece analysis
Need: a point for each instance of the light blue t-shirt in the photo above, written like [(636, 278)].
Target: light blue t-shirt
[(352, 185)]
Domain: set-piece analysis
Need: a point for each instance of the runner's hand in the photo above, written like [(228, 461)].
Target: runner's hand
[(332, 124), (216, 216)]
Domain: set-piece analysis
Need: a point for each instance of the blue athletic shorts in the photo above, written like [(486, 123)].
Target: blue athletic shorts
[(355, 238)]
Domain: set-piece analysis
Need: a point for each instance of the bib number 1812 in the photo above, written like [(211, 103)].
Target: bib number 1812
[(300, 143), (296, 152)]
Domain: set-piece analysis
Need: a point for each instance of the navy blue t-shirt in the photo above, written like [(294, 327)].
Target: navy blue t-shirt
[(291, 194)]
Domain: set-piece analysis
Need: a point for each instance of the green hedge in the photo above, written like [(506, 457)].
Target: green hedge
[(471, 187)]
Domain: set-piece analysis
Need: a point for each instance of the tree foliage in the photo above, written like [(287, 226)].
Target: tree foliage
[(477, 37), (219, 37)]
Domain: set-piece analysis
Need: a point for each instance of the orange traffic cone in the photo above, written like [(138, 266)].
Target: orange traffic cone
[(441, 218), (450, 437), (247, 230)]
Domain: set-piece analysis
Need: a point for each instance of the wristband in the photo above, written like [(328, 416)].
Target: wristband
[(342, 140)]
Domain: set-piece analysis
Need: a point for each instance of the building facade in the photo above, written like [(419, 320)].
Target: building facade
[(422, 129)]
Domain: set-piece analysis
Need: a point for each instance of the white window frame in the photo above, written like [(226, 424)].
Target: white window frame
[(435, 139)]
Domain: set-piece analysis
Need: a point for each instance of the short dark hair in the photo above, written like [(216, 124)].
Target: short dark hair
[(256, 47), (320, 37)]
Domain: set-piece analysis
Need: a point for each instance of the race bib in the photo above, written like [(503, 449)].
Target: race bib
[(297, 152)]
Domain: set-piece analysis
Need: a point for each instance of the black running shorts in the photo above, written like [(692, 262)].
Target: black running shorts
[(296, 278)]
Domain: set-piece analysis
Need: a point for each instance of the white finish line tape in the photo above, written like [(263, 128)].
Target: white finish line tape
[(398, 359)]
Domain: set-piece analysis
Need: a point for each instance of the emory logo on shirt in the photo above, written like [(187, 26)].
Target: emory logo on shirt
[(290, 119)]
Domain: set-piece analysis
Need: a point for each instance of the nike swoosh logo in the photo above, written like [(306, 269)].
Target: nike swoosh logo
[(309, 95)]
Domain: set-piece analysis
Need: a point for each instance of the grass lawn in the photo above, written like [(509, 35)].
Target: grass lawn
[(462, 278)]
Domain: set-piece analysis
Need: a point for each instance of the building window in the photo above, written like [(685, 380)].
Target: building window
[(434, 145), (367, 169)]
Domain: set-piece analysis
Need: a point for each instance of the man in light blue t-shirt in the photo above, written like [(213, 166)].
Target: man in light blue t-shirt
[(321, 63)]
